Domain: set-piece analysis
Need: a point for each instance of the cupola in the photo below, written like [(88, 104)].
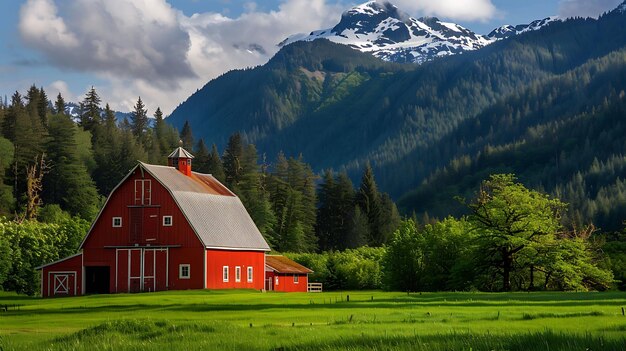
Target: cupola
[(181, 160)]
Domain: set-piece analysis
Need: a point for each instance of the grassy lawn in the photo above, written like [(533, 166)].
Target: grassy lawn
[(246, 320)]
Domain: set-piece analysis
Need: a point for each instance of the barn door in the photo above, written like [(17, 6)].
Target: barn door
[(136, 224), (150, 232), (135, 268)]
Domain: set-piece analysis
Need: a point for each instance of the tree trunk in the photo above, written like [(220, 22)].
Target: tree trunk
[(507, 265), (531, 285)]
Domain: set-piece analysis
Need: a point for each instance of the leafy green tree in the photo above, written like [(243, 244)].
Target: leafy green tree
[(519, 234), (404, 262), (509, 218)]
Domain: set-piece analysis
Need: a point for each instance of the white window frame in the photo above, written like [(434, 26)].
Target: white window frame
[(237, 274), (171, 221), (225, 275), (113, 222), (296, 279), (181, 268), (250, 274), (276, 280)]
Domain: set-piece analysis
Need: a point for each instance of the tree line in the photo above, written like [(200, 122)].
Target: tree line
[(513, 239)]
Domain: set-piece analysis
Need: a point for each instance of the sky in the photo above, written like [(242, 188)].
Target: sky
[(165, 50)]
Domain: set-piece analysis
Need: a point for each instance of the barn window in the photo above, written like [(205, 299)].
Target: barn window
[(167, 221), (117, 222), (296, 278), (237, 274), (276, 281), (249, 274), (184, 271), (225, 274)]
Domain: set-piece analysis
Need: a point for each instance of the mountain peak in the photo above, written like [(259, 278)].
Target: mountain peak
[(381, 28), (385, 31)]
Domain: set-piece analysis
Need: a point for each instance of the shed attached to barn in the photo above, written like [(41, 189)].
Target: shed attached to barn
[(284, 274)]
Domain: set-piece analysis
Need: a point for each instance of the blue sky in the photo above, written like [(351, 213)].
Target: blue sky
[(163, 50)]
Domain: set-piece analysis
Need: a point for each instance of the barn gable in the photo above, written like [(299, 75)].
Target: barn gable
[(215, 214)]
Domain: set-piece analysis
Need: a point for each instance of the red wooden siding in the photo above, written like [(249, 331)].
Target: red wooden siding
[(217, 259), (63, 278), (285, 282), (122, 204), (158, 249)]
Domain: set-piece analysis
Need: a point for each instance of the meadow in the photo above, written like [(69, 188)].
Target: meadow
[(370, 320)]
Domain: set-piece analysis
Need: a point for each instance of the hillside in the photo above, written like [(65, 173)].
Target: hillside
[(341, 108)]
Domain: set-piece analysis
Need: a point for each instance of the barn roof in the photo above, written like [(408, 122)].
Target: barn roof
[(216, 214), (282, 264)]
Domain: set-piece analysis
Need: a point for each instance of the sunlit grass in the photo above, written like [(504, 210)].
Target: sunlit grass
[(247, 320)]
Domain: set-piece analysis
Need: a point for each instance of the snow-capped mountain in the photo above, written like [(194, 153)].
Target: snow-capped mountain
[(380, 28), (507, 31)]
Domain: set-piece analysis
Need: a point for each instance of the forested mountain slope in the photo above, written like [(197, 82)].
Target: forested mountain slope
[(341, 108)]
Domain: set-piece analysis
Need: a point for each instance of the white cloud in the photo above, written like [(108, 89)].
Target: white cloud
[(140, 39), (147, 48), (53, 89), (586, 8), (463, 10), (39, 22)]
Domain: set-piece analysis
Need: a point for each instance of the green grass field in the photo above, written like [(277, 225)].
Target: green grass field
[(245, 320)]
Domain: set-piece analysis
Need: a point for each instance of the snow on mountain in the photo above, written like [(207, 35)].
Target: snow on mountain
[(380, 28), (507, 31)]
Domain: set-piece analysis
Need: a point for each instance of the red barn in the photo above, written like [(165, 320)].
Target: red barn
[(164, 228), (283, 274)]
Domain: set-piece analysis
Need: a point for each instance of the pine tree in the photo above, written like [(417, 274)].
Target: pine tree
[(186, 136), (343, 194), (68, 183), (201, 160), (232, 159), (368, 199), (326, 206), (214, 165), (10, 119), (139, 121), (59, 105), (90, 110), (252, 193), (42, 106)]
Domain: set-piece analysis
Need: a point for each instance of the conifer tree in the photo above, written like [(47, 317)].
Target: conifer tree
[(214, 165), (368, 199), (68, 183), (10, 119), (201, 160), (324, 227), (139, 121), (59, 105), (232, 159), (42, 106), (186, 136), (90, 110)]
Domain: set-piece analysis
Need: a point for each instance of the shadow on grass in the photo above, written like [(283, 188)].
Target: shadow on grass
[(547, 340)]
